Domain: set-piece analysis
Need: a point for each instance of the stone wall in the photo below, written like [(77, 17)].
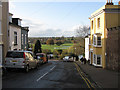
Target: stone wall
[(112, 49)]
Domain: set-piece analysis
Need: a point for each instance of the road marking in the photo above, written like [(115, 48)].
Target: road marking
[(52, 68), (83, 76), (45, 74)]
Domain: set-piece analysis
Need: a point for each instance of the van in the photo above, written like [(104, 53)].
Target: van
[(20, 60)]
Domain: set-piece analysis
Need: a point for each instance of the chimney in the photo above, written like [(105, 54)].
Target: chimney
[(109, 2), (119, 3)]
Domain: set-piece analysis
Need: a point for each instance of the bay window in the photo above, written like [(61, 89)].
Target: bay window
[(97, 60), (97, 41)]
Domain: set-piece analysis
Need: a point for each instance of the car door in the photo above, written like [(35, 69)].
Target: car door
[(28, 60), (33, 62)]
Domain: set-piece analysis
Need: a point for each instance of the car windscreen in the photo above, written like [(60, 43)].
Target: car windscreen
[(15, 55)]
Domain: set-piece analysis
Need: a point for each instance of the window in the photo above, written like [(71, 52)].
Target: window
[(92, 25), (99, 41), (98, 60), (25, 39), (22, 39), (94, 57), (15, 38), (89, 40), (94, 40), (98, 22), (19, 22)]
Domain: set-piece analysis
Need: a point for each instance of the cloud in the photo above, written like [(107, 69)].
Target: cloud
[(41, 29)]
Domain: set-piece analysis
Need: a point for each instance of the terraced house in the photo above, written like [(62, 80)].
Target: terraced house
[(14, 33), (102, 19)]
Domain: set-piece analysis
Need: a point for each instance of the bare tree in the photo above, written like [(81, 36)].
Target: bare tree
[(82, 31)]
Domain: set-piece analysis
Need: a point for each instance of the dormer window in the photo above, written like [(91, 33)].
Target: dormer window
[(19, 22), (10, 17)]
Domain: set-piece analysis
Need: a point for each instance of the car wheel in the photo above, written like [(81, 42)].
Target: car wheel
[(27, 69)]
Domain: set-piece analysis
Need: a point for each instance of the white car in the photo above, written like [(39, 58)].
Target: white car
[(20, 60), (68, 59)]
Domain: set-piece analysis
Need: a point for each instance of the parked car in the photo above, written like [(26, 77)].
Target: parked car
[(42, 57), (68, 59), (20, 60)]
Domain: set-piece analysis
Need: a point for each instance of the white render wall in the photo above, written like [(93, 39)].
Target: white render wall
[(1, 53), (13, 29), (87, 48)]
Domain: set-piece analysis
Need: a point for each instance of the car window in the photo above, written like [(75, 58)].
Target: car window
[(15, 55)]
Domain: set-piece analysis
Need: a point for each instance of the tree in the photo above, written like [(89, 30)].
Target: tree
[(82, 31), (50, 42), (46, 51), (37, 48), (59, 43)]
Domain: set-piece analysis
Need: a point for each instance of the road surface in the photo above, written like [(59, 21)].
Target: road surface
[(54, 74)]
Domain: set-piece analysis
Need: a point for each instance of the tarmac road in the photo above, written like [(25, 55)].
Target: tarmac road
[(54, 74)]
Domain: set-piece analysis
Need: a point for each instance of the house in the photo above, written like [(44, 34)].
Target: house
[(102, 19), (24, 38), (87, 42), (14, 33), (3, 30)]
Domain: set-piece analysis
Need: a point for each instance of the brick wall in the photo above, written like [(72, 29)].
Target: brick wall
[(112, 49)]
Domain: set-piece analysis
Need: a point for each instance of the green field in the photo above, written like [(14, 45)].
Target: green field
[(54, 47)]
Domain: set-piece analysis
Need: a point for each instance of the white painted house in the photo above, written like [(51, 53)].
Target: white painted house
[(14, 33), (87, 47)]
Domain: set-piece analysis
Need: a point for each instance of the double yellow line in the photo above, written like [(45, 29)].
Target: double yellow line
[(83, 77)]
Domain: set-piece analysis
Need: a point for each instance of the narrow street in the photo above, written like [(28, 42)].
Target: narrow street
[(55, 74)]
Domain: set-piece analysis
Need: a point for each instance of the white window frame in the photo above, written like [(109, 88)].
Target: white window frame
[(100, 60), (95, 41), (95, 60)]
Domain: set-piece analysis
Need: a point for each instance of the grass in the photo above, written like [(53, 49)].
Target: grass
[(54, 47)]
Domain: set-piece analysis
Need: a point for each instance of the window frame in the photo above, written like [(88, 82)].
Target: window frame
[(95, 60), (95, 40)]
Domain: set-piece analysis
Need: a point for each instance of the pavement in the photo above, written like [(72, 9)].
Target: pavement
[(102, 77)]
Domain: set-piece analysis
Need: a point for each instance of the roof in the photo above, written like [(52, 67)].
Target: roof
[(105, 8), (25, 28)]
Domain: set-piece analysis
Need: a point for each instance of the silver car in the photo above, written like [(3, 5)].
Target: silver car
[(20, 59)]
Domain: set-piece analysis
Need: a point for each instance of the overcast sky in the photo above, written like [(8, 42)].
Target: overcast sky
[(49, 19)]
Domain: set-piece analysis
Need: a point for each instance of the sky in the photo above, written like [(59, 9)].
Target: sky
[(54, 19)]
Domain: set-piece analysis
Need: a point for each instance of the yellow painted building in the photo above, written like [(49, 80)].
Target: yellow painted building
[(106, 17)]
